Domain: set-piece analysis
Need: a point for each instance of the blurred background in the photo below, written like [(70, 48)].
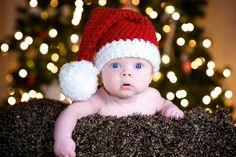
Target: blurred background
[(198, 62)]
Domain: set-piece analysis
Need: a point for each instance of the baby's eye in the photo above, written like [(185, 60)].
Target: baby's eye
[(115, 65), (138, 66)]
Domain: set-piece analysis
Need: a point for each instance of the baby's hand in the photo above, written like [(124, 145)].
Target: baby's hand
[(64, 148), (172, 111)]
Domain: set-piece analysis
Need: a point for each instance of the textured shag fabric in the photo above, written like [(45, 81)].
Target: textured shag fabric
[(27, 130)]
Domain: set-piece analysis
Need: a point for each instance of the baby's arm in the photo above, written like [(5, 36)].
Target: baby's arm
[(166, 107), (64, 146), (171, 110)]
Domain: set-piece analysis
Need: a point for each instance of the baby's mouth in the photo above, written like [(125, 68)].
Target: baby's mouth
[(126, 84)]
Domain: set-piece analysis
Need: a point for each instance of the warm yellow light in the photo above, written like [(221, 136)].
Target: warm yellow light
[(54, 69), (74, 38), (11, 91), (180, 41), (18, 35), (39, 95), (78, 12), (74, 48), (4, 47), (55, 57), (11, 100), (44, 15), (228, 94), (30, 63), (33, 3), (9, 78), (148, 10), (206, 43), (192, 43), (170, 96), (50, 66), (43, 48), (184, 102), (135, 2), (166, 28), (206, 99), (165, 59), (23, 73), (176, 16), (226, 73), (52, 33), (102, 2), (54, 3), (156, 76), (169, 9)]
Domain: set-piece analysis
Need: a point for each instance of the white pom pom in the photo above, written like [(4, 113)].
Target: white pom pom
[(78, 80)]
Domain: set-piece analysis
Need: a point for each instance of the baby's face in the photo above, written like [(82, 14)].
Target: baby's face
[(125, 77)]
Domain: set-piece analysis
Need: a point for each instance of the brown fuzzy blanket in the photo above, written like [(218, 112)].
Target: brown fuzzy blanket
[(27, 130)]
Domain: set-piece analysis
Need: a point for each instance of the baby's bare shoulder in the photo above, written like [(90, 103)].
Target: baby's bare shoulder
[(152, 92)]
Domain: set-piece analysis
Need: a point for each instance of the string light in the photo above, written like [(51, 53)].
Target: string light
[(43, 48), (23, 73), (206, 99), (170, 96), (102, 2), (25, 97), (172, 77), (18, 35), (187, 27), (4, 47), (135, 2), (211, 65), (54, 3), (153, 14), (52, 33), (74, 48), (11, 100), (165, 59), (192, 43), (206, 43), (148, 10), (29, 40), (158, 35), (33, 3), (54, 57), (181, 94), (176, 16), (74, 38), (30, 63), (228, 94), (24, 45), (180, 41), (157, 76), (78, 12), (184, 102), (226, 73), (216, 92), (210, 72), (166, 28), (39, 95), (169, 9)]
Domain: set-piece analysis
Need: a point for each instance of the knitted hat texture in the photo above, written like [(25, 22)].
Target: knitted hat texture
[(109, 34)]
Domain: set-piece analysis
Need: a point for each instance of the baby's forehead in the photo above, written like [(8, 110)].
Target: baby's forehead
[(129, 59)]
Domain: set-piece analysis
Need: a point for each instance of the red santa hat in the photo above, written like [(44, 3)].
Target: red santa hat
[(109, 34)]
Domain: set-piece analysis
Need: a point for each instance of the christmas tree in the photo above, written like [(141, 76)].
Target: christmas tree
[(47, 35)]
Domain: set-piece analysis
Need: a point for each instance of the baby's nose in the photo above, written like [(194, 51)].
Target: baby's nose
[(126, 73)]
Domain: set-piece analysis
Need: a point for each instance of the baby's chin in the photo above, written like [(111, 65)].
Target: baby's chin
[(125, 94)]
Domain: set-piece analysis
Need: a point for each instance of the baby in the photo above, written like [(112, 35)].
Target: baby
[(123, 47)]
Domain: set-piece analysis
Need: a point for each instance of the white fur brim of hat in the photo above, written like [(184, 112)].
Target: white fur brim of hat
[(78, 80)]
